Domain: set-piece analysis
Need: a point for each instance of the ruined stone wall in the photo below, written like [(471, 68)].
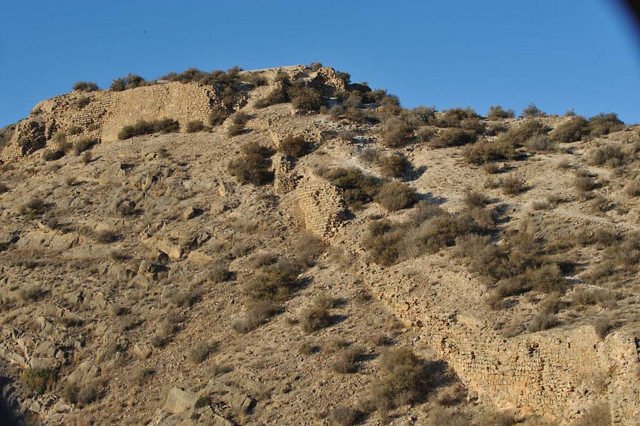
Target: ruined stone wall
[(558, 372), (322, 206), (102, 114)]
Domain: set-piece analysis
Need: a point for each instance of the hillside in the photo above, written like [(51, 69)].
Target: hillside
[(283, 246)]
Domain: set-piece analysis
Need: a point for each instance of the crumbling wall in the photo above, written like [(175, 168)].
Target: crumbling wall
[(558, 372), (102, 114), (322, 205)]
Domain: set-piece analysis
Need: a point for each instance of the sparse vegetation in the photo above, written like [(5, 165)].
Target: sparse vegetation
[(572, 130), (195, 126), (39, 380), (314, 318), (143, 127), (253, 165), (131, 81), (238, 123), (294, 146), (259, 314), (395, 196), (497, 113), (404, 380), (85, 86)]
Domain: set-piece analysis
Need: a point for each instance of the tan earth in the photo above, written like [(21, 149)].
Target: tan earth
[(125, 275)]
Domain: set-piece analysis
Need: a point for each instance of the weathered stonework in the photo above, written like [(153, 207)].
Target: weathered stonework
[(102, 114), (559, 373), (322, 205)]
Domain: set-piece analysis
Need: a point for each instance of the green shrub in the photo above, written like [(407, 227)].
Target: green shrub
[(394, 196), (603, 124), (142, 127), (314, 319), (452, 137), (497, 113), (195, 126), (532, 111), (306, 98), (131, 81), (571, 130), (396, 133), (85, 86), (253, 166), (39, 380), (294, 146), (358, 188)]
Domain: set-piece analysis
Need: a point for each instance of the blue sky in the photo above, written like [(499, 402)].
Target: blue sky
[(561, 54)]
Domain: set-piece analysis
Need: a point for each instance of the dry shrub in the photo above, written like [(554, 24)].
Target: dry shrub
[(142, 127), (396, 133), (513, 185), (84, 144), (201, 352), (593, 296), (452, 137), (33, 207), (218, 115), (131, 81), (612, 156), (497, 113), (455, 117), (194, 126), (259, 314), (347, 361), (295, 146), (105, 236), (325, 301), (404, 380), (474, 199), (238, 123), (542, 321), (596, 415), (273, 282), (603, 124), (50, 154), (253, 166), (531, 111), (572, 130), (305, 98), (218, 273), (313, 319), (344, 416), (539, 143), (306, 248), (394, 196), (393, 165), (441, 416), (497, 418), (584, 183), (483, 152), (85, 86), (39, 380)]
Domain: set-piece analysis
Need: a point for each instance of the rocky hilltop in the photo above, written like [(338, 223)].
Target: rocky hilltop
[(285, 246)]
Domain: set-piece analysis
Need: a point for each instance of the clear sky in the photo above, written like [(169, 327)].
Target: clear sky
[(560, 54)]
